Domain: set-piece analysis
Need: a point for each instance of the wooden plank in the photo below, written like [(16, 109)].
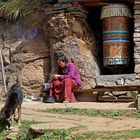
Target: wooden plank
[(94, 4), (111, 88), (100, 90), (116, 89), (105, 90), (103, 99), (91, 3), (99, 1), (123, 86), (130, 85)]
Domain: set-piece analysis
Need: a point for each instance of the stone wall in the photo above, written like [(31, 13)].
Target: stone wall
[(137, 37), (30, 49), (26, 56), (67, 32)]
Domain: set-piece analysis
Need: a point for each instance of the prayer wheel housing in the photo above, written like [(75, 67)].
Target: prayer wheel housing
[(116, 36)]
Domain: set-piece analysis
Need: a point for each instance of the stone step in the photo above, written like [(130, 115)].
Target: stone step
[(39, 129)]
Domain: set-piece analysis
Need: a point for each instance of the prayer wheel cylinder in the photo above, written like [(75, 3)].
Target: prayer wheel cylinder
[(116, 35)]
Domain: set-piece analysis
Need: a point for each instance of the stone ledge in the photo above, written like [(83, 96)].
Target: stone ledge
[(120, 79), (39, 129)]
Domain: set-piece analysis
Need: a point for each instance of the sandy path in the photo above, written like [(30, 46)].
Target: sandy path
[(30, 111)]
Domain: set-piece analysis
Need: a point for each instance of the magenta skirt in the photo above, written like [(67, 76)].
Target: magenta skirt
[(63, 90)]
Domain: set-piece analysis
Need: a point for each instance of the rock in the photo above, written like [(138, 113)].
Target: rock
[(70, 36), (137, 44), (31, 77), (25, 47), (137, 35), (137, 68), (13, 133), (38, 129)]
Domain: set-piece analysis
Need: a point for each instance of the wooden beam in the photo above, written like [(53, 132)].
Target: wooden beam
[(107, 1), (97, 1), (111, 88), (94, 4)]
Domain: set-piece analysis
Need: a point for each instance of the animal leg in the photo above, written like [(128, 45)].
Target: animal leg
[(19, 114)]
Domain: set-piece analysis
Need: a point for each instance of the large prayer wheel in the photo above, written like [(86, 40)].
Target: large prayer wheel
[(116, 35)]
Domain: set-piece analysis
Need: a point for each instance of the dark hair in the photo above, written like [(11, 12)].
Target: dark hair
[(62, 58)]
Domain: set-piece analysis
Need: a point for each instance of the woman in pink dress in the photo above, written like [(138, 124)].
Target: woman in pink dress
[(67, 80)]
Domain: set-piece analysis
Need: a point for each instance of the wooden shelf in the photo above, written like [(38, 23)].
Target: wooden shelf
[(101, 88)]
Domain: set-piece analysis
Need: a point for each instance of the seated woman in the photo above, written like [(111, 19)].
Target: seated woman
[(67, 80)]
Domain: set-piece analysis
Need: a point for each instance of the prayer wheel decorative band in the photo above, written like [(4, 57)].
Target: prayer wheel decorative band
[(116, 34)]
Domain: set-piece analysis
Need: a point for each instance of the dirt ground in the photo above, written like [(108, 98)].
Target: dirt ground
[(30, 112)]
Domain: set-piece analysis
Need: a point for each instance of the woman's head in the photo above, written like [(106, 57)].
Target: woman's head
[(62, 60)]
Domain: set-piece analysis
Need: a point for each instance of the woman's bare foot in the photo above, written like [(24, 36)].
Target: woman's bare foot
[(65, 101)]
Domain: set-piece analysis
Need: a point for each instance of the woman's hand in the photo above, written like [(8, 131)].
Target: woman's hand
[(55, 76)]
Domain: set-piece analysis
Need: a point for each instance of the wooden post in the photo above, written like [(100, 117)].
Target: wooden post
[(138, 102), (2, 66)]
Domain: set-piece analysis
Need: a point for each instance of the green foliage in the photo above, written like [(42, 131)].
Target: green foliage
[(86, 135), (94, 113), (134, 94), (70, 134), (3, 135), (14, 9), (27, 123), (86, 112), (24, 133), (57, 135), (3, 0), (61, 134), (118, 135), (132, 134), (137, 113), (4, 125)]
